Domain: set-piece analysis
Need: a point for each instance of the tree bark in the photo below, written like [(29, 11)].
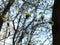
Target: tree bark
[(56, 26)]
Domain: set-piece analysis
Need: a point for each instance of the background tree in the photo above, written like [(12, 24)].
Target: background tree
[(25, 21)]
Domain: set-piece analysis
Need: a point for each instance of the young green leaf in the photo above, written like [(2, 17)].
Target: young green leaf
[(8, 23), (18, 43), (51, 22), (42, 17), (37, 22), (28, 15), (3, 17)]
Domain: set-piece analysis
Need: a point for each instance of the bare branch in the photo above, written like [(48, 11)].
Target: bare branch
[(6, 9)]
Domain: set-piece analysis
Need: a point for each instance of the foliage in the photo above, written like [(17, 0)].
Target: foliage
[(28, 15), (19, 20), (18, 43)]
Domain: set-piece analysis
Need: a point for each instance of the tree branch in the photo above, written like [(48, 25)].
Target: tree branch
[(6, 9)]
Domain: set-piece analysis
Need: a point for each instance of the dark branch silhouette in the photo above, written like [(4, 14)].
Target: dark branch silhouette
[(6, 9), (56, 26)]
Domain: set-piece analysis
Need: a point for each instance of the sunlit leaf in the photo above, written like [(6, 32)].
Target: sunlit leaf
[(3, 17), (28, 15), (18, 44), (37, 22), (42, 17), (51, 22), (8, 22)]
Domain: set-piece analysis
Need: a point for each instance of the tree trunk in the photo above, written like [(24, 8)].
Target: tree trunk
[(56, 26)]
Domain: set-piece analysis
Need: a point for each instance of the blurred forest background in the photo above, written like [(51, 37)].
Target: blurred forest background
[(26, 22)]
